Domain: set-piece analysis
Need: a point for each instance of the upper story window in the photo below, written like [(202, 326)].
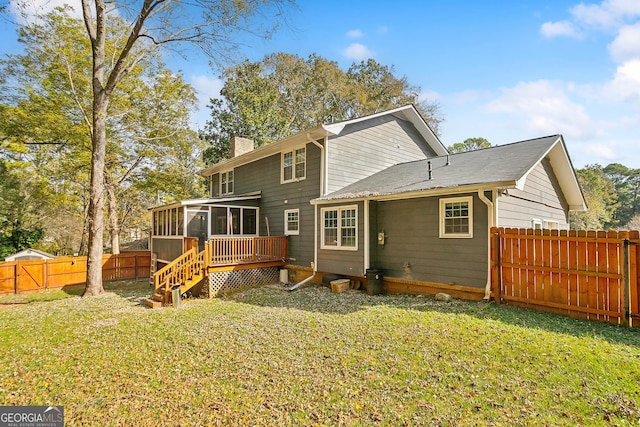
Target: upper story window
[(226, 182), (294, 165), (456, 217), (292, 222), (339, 228)]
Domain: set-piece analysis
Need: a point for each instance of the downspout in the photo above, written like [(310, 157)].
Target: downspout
[(315, 252), (367, 231), (321, 147), (315, 220), (491, 222), (315, 207), (308, 279)]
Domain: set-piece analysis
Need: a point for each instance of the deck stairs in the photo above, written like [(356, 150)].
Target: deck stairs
[(188, 270)]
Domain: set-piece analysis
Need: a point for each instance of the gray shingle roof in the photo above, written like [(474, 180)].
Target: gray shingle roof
[(500, 164)]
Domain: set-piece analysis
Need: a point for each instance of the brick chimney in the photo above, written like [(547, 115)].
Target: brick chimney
[(240, 146)]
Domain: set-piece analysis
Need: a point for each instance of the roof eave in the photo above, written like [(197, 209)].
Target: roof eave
[(471, 188), (209, 201), (308, 135)]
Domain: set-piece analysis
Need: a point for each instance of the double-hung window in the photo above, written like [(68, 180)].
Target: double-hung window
[(294, 165), (292, 222), (226, 182), (340, 228), (456, 217)]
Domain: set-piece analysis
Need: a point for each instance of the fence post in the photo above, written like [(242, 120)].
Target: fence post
[(45, 274), (15, 276), (18, 275), (495, 257), (626, 283)]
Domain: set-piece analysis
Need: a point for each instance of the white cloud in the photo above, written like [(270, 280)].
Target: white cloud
[(354, 34), (606, 15), (206, 88), (602, 152), (546, 109), (557, 29), (609, 15), (28, 11), (358, 52), (625, 85), (626, 45)]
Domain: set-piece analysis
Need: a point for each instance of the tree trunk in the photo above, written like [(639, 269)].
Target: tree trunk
[(82, 250), (96, 197), (114, 228)]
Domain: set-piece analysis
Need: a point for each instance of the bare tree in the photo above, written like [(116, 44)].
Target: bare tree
[(212, 25)]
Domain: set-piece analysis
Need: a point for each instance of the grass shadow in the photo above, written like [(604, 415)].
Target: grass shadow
[(322, 300), (127, 289)]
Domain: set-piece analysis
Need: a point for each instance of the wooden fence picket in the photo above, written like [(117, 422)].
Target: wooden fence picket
[(38, 275), (585, 274)]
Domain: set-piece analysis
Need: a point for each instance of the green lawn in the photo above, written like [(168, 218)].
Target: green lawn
[(310, 357)]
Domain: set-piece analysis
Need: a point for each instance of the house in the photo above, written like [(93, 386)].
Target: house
[(29, 254), (379, 191)]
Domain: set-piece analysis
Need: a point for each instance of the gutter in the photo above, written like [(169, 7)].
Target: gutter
[(491, 222), (432, 192)]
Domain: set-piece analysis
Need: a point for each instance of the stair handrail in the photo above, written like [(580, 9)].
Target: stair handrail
[(186, 266)]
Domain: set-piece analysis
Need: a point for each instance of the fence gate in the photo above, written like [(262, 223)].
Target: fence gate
[(585, 274), (31, 276)]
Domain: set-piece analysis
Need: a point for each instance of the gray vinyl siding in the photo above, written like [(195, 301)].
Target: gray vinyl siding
[(215, 185), (337, 261), (264, 175), (541, 199), (411, 230), (370, 146)]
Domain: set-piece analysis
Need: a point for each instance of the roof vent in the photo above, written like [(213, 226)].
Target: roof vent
[(429, 169)]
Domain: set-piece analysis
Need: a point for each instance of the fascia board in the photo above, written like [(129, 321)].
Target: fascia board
[(268, 150), (423, 193)]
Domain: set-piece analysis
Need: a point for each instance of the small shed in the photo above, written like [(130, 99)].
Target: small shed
[(29, 254)]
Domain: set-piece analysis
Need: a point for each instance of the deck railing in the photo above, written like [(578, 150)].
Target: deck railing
[(186, 266), (242, 250)]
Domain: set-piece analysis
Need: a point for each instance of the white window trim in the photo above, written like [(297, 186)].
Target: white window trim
[(220, 182), (288, 232), (536, 223), (339, 246), (293, 165), (443, 203)]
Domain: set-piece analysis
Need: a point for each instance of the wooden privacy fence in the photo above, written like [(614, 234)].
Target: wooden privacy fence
[(585, 274), (38, 275)]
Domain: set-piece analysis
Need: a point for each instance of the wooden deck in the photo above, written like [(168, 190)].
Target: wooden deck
[(229, 251), (219, 254)]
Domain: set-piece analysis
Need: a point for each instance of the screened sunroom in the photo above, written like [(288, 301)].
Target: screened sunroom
[(179, 226)]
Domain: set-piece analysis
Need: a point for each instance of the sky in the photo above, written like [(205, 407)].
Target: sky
[(504, 71)]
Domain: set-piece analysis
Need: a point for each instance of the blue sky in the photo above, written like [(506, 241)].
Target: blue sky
[(505, 71)]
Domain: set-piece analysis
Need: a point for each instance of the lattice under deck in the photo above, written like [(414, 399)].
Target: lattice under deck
[(225, 281)]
